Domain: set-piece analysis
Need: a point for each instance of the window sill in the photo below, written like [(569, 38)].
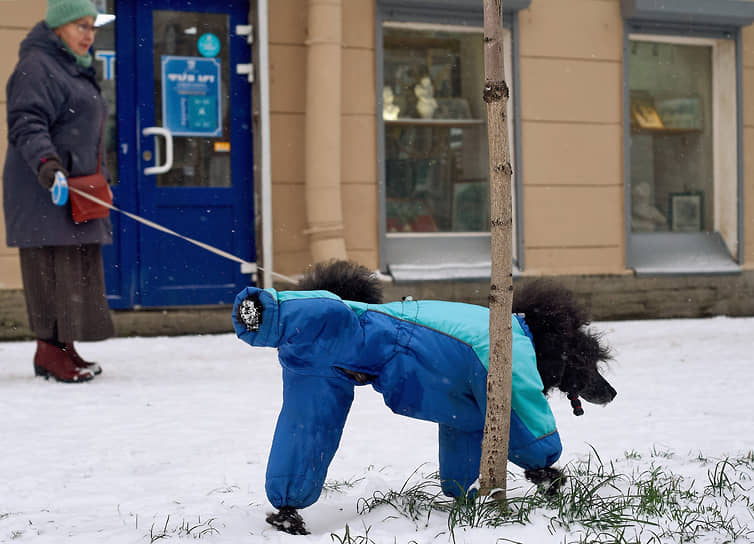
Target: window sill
[(679, 253), (444, 271)]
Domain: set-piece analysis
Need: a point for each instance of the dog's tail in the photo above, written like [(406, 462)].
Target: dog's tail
[(348, 280)]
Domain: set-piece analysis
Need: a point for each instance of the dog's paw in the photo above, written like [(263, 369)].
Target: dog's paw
[(250, 313), (288, 520), (549, 480)]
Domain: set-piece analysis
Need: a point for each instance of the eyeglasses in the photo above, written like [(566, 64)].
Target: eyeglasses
[(86, 29)]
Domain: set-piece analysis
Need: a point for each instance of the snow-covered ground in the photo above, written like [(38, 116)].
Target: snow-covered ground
[(175, 433)]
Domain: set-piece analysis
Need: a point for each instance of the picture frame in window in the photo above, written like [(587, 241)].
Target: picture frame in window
[(453, 108), (680, 112), (409, 215), (686, 211), (471, 206)]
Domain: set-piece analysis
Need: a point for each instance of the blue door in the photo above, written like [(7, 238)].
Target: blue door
[(184, 152)]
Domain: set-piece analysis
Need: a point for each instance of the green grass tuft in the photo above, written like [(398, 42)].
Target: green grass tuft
[(185, 528), (598, 503)]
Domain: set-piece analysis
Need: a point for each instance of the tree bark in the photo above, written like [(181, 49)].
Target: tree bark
[(493, 469)]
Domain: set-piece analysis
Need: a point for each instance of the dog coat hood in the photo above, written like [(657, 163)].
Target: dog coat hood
[(428, 359)]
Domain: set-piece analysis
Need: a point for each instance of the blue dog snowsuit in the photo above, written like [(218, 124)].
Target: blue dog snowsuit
[(429, 361)]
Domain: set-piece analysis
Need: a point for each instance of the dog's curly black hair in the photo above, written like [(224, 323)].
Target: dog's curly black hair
[(568, 354), (348, 280)]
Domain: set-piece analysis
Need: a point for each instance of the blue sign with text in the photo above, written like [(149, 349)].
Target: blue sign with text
[(191, 104)]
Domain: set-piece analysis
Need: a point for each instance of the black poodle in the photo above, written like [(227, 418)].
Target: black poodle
[(549, 323)]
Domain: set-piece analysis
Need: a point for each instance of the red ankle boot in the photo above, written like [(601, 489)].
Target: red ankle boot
[(80, 362), (52, 361)]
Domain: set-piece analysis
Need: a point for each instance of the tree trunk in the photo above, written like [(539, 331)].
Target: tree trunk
[(493, 469)]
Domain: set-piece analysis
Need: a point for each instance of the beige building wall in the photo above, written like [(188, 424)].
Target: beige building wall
[(358, 128), (16, 19), (359, 132), (287, 56), (571, 108), (571, 103)]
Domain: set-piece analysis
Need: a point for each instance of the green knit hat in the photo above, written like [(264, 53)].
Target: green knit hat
[(60, 12)]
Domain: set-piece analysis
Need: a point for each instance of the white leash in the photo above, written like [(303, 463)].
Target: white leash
[(246, 266)]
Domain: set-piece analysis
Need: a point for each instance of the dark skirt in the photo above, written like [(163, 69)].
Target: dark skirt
[(64, 287)]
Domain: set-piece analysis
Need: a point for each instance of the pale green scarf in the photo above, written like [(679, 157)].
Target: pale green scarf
[(81, 60)]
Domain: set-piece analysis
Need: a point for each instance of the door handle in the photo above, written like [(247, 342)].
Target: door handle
[(168, 164)]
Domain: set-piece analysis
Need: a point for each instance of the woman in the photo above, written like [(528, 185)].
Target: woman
[(55, 119)]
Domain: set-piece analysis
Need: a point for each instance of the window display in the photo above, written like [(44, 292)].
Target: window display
[(436, 157), (672, 170)]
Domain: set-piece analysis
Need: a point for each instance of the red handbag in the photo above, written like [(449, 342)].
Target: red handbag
[(84, 209), (95, 185)]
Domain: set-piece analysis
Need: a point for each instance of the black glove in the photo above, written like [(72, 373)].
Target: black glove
[(549, 480), (250, 313), (46, 173), (288, 520)]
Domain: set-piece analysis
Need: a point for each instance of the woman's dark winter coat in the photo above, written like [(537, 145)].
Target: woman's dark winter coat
[(54, 108)]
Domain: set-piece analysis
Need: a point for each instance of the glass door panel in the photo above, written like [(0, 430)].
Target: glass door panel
[(195, 105)]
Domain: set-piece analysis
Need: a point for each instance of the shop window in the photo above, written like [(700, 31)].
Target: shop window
[(683, 166), (672, 178), (435, 131), (436, 163)]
